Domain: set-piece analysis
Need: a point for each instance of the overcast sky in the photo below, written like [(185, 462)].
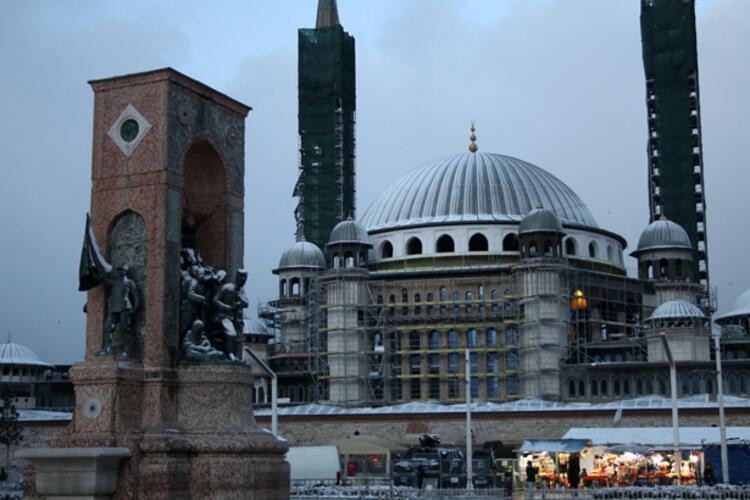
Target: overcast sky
[(558, 83)]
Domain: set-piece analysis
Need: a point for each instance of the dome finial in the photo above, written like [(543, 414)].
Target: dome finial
[(473, 146)]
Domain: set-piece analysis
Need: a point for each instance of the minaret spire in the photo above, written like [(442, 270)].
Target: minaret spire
[(328, 14)]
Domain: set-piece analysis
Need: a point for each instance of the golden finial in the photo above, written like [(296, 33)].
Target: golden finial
[(473, 146)]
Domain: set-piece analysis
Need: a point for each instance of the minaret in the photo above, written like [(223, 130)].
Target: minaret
[(675, 170), (326, 84)]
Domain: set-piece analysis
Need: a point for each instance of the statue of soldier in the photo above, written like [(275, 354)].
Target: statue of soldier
[(229, 302), (123, 300), (193, 298)]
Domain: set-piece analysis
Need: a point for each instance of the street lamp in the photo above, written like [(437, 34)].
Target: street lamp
[(720, 400), (675, 416), (469, 444)]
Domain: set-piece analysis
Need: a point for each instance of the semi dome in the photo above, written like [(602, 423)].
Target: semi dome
[(741, 307), (16, 354), (663, 233), (675, 309), (303, 254), (474, 187), (349, 231), (540, 220)]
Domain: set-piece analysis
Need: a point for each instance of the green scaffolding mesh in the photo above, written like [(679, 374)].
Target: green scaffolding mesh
[(326, 185)]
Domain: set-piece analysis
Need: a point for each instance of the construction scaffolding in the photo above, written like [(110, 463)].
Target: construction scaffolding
[(326, 184), (675, 149)]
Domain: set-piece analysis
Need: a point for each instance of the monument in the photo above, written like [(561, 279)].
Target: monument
[(163, 404)]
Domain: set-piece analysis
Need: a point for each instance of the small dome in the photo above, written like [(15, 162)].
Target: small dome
[(675, 309), (540, 220), (663, 234), (303, 254), (16, 354), (254, 326), (741, 307), (349, 231)]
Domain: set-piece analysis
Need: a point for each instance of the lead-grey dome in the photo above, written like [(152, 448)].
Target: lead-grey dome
[(303, 254), (675, 309), (741, 307), (349, 231), (540, 220), (16, 354), (474, 187), (663, 233)]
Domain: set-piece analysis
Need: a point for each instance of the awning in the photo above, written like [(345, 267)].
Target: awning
[(554, 445)]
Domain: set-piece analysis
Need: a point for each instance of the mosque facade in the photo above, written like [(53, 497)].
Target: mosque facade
[(484, 276)]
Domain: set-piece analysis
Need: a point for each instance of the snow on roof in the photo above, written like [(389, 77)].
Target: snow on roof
[(416, 407), (19, 355), (655, 437), (28, 415)]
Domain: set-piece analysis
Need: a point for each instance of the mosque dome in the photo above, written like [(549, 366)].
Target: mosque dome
[(676, 309), (302, 254), (540, 220), (18, 355), (663, 233), (474, 187), (349, 231), (741, 307)]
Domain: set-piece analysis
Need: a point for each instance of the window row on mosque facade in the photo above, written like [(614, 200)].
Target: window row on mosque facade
[(453, 388), (612, 386), (448, 303), (478, 242)]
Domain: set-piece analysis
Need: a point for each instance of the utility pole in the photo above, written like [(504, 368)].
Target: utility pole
[(469, 444), (675, 415)]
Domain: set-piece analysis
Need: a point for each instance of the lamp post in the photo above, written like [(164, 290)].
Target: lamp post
[(720, 400), (675, 415), (274, 390), (469, 445)]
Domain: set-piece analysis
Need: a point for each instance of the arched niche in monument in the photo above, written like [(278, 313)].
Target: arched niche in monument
[(204, 217), (128, 246)]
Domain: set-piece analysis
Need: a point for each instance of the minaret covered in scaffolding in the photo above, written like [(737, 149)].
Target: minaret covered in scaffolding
[(675, 171), (326, 91)]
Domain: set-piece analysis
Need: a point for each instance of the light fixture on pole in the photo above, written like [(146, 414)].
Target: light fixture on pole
[(675, 415), (720, 401), (469, 445)]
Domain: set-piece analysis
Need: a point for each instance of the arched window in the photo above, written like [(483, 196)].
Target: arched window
[(417, 304), (616, 387), (469, 302), (453, 363), (663, 268), (491, 337), (434, 340), (532, 249), (472, 338), (594, 388), (386, 250), (295, 287), (404, 301), (456, 305), (678, 269), (414, 246), (414, 343), (571, 388), (548, 248), (570, 246), (493, 298), (593, 250), (452, 339), (603, 389), (430, 306), (610, 253), (478, 243), (581, 388), (283, 288), (481, 298), (445, 244), (510, 243), (392, 301), (443, 299)]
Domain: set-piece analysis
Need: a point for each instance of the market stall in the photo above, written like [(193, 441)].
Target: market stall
[(551, 457)]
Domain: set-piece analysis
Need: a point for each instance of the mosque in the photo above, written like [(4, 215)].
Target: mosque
[(484, 273)]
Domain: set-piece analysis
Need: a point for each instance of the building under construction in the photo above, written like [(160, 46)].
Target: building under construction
[(326, 185), (458, 272), (675, 150)]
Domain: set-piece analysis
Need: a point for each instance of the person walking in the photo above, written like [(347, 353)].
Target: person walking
[(531, 473)]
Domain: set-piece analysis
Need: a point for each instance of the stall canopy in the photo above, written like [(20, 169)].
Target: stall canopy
[(655, 437), (554, 445)]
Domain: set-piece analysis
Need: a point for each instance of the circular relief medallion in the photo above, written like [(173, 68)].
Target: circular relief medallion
[(233, 135), (129, 130), (92, 408), (183, 114)]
